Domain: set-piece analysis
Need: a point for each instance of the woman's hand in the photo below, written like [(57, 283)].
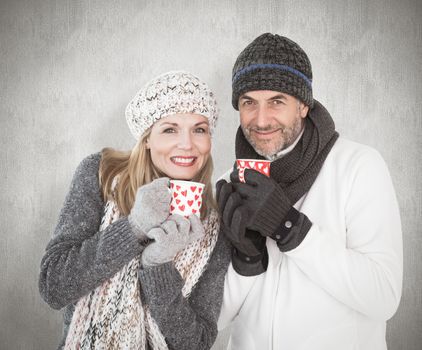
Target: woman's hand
[(151, 207), (175, 234)]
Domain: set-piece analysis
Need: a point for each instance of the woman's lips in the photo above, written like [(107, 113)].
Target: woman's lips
[(183, 161)]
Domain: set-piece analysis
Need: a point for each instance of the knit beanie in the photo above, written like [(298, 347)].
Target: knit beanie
[(273, 62), (170, 93)]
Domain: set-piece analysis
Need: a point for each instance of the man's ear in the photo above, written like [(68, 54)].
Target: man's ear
[(303, 110)]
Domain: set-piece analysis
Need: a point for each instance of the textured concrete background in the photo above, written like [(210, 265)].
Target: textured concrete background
[(68, 69)]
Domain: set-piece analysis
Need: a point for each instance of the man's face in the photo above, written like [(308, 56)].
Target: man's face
[(271, 120)]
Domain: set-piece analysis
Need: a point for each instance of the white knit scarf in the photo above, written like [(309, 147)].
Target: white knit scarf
[(113, 316)]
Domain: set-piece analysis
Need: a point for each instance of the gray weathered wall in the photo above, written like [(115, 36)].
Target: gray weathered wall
[(68, 68)]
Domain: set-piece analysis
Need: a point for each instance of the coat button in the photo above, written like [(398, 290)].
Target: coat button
[(288, 224)]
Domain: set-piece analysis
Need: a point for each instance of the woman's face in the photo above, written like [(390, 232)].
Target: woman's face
[(180, 144)]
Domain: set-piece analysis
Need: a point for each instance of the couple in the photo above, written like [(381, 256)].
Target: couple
[(308, 258)]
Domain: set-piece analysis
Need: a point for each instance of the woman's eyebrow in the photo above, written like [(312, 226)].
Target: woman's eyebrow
[(203, 122), (164, 123), (175, 124)]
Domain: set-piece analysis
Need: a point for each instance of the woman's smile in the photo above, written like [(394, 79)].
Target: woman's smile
[(183, 160)]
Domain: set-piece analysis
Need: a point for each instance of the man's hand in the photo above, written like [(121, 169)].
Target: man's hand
[(265, 202), (234, 218)]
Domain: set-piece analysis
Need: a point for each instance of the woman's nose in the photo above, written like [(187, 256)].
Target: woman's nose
[(185, 141)]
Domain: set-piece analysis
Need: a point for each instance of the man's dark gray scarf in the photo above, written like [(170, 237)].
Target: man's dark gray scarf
[(297, 170)]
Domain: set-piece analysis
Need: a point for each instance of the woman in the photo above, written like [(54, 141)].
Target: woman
[(129, 274)]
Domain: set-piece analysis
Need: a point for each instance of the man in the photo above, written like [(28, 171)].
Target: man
[(317, 257)]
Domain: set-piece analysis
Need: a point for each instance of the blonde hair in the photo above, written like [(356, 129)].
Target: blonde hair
[(135, 169)]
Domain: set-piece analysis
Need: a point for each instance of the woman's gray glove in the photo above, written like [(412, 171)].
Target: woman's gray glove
[(173, 235), (151, 207)]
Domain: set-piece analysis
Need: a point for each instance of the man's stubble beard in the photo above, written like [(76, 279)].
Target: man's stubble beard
[(286, 137)]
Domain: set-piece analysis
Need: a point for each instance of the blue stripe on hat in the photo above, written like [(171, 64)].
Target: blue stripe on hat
[(273, 66)]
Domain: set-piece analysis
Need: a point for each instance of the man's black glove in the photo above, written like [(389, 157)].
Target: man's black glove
[(267, 204), (269, 210), (250, 255)]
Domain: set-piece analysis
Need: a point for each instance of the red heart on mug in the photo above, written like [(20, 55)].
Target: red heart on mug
[(196, 197), (200, 189), (177, 201), (194, 211), (190, 203), (193, 188), (182, 207), (184, 193), (177, 187), (175, 194), (171, 208)]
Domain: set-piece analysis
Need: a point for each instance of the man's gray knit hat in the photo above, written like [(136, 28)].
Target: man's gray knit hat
[(170, 93), (273, 62)]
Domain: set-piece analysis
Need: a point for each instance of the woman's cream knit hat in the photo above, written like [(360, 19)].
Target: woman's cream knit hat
[(170, 93)]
